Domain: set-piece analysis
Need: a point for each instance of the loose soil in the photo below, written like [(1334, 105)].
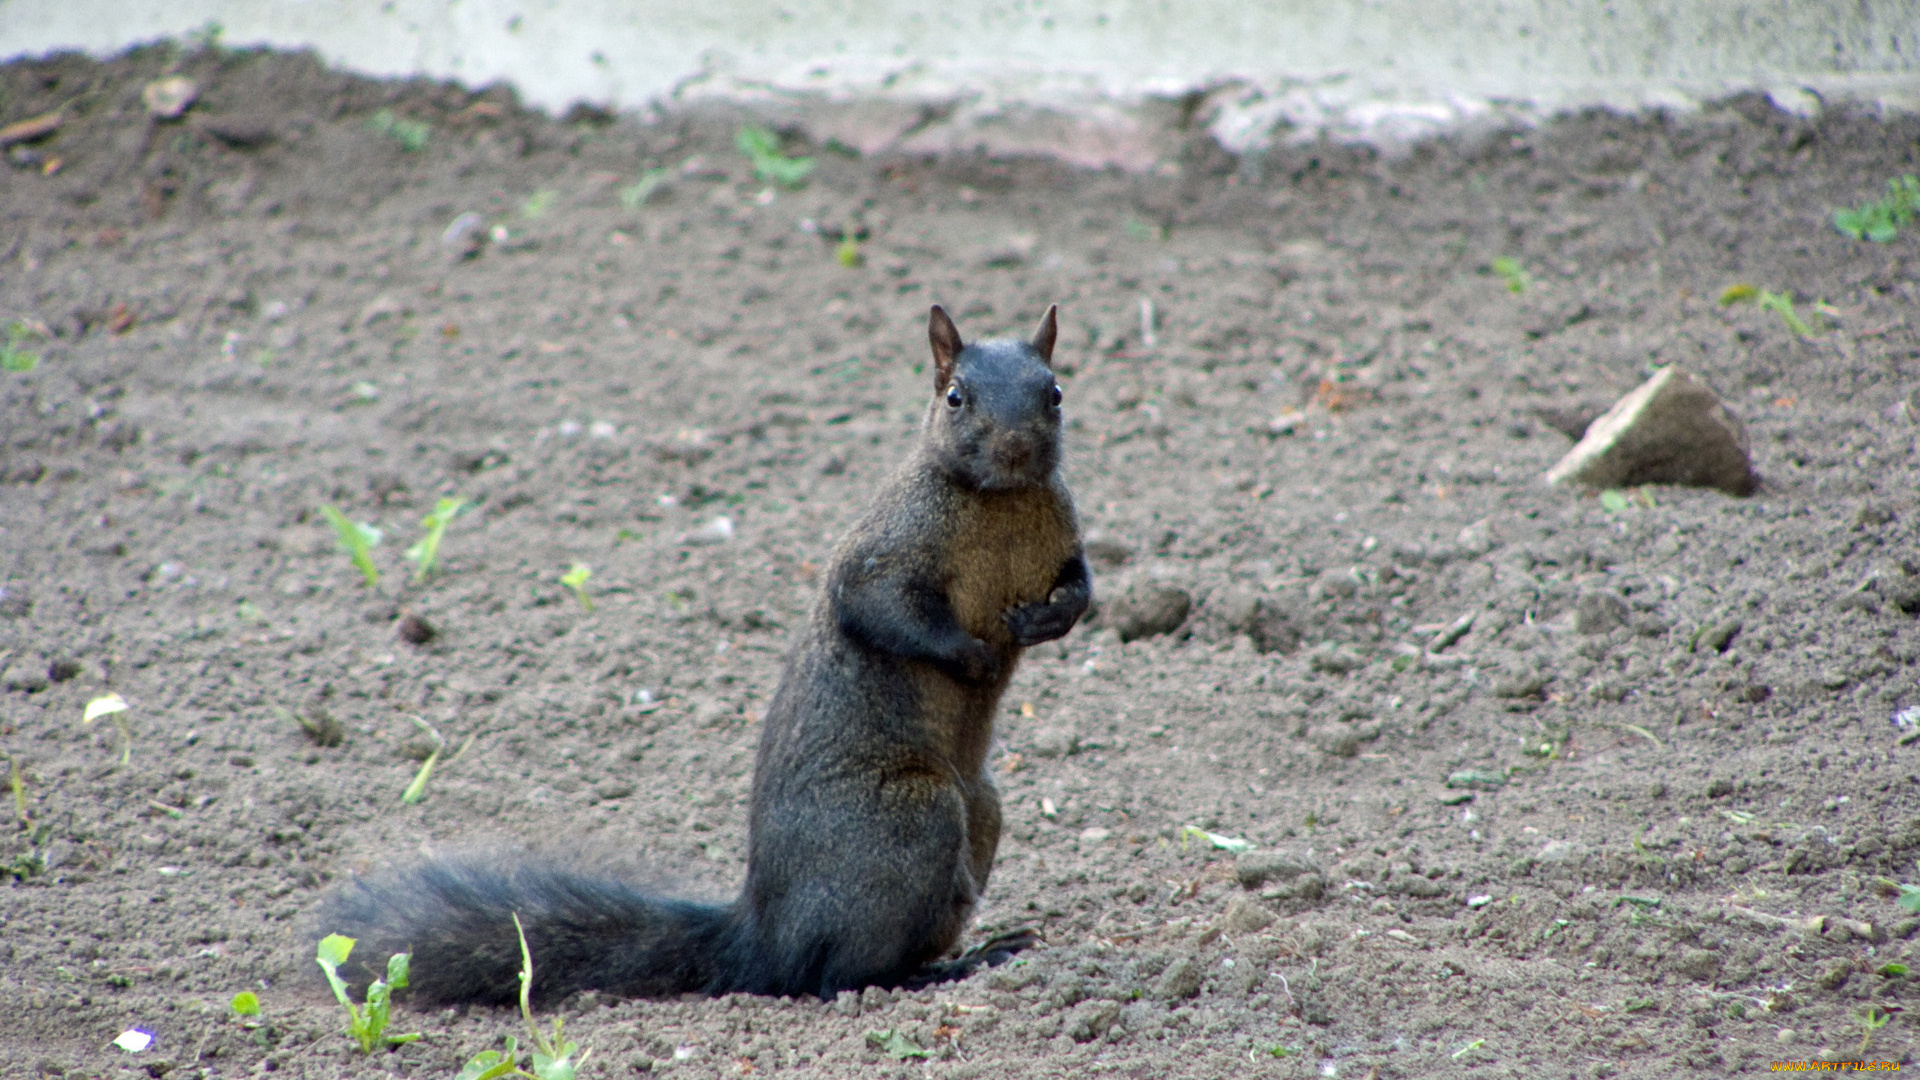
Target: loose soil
[(1297, 392)]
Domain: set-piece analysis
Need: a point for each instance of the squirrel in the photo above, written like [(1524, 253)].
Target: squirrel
[(873, 821)]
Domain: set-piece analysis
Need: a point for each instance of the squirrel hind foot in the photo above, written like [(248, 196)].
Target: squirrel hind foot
[(990, 953)]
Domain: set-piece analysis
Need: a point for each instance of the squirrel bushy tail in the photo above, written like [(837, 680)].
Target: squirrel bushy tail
[(585, 932)]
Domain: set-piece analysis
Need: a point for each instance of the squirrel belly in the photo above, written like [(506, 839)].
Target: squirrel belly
[(873, 821)]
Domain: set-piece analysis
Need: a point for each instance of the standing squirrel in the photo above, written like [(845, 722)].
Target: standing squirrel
[(873, 820)]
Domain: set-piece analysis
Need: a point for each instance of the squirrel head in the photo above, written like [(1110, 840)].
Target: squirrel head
[(995, 419)]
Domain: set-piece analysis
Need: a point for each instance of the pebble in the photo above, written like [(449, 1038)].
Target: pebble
[(1672, 429), (1148, 609)]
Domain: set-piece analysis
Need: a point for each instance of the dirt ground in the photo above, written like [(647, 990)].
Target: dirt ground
[(1632, 819)]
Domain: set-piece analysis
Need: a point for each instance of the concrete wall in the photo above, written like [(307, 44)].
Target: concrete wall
[(1380, 69)]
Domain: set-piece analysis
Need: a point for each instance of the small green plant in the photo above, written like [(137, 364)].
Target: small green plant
[(634, 196), (425, 554), (1232, 845), (538, 204), (112, 704), (896, 1044), (358, 541), (1468, 1049), (848, 254), (19, 785), (1782, 304), (246, 1003), (366, 1023), (412, 135), (33, 861), (552, 1054), (1617, 500), (1512, 274), (1907, 895), (1737, 292), (1872, 1019), (418, 789), (762, 147), (1881, 219), (576, 579), (12, 356)]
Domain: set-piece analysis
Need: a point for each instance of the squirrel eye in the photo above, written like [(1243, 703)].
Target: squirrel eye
[(953, 397), (1056, 395)]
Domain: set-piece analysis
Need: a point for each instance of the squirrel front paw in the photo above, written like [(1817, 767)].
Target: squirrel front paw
[(975, 662), (1046, 620)]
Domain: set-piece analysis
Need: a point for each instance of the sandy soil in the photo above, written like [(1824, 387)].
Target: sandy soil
[(1674, 776)]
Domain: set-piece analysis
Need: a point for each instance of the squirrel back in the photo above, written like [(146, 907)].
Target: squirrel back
[(873, 821)]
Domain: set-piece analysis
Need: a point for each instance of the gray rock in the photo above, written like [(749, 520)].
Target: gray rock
[(1599, 611), (1700, 965), (1148, 609), (1261, 618), (1245, 916), (1528, 684), (1335, 660), (1090, 1020), (1256, 868), (1182, 979), (1669, 430), (1718, 637), (1054, 740), (1339, 740)]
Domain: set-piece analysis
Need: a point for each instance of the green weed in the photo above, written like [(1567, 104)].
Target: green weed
[(12, 356), (1232, 845), (33, 861), (358, 541), (1880, 220), (418, 789), (19, 785), (367, 1024), (412, 135), (246, 1003), (552, 1054), (425, 554), (896, 1044), (635, 196), (576, 579), (1512, 274), (1872, 1019), (848, 254), (762, 147), (1617, 501), (538, 204), (1737, 292), (1782, 304), (112, 704)]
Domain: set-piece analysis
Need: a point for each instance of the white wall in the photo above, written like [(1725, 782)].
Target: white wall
[(1361, 68)]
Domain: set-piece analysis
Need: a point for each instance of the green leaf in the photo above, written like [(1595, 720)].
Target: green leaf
[(897, 1044), (636, 196), (1613, 501), (397, 967), (491, 1064), (1910, 897), (104, 705), (1892, 971), (1232, 845), (246, 1003), (357, 540), (1737, 292), (418, 789)]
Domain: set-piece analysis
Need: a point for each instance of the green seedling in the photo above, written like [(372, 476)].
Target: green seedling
[(1512, 274), (636, 195), (410, 134), (538, 204), (1892, 971), (1872, 1018), (246, 1003), (1782, 304), (12, 356), (762, 147), (33, 861), (1908, 895), (552, 1055), (418, 789), (19, 785), (492, 1064), (576, 579), (112, 704), (1880, 220), (1737, 292), (896, 1044), (358, 541), (366, 1023), (1232, 845), (847, 253), (1618, 501), (425, 554), (1469, 1048)]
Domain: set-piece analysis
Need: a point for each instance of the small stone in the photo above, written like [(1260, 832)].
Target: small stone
[(1245, 916), (1181, 979), (415, 630), (1476, 780), (1700, 965), (613, 789), (1720, 788), (1718, 637), (1526, 685), (1056, 740), (1094, 836), (1089, 1020), (1835, 974), (1335, 660), (1148, 609), (1337, 740), (1670, 430), (167, 98), (464, 238), (1256, 868), (847, 1003), (1598, 611), (62, 669), (717, 531)]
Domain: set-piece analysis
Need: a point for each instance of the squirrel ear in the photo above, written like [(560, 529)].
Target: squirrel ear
[(946, 346), (1043, 338)]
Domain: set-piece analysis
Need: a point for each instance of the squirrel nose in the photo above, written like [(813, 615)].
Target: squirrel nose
[(1013, 451)]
